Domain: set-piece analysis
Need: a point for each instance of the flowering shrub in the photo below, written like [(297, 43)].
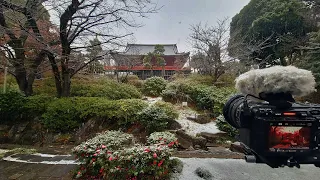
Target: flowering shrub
[(110, 156), (138, 162), (166, 138), (92, 152)]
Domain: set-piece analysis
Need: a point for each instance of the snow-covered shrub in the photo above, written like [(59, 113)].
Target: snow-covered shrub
[(111, 155), (163, 138)]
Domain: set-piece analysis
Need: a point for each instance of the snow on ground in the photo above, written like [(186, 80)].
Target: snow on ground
[(151, 100), (193, 128), (230, 169)]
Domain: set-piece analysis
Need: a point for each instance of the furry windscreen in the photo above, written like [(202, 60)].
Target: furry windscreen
[(298, 82)]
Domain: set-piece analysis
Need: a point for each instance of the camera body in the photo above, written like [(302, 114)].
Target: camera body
[(276, 131)]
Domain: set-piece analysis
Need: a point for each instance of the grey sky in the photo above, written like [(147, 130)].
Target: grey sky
[(171, 24)]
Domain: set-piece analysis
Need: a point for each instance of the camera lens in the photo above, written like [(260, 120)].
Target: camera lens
[(233, 109)]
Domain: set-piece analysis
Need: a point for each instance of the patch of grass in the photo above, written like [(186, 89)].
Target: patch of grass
[(17, 151), (23, 151)]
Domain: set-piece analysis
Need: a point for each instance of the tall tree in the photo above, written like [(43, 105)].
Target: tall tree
[(94, 51), (155, 58), (79, 21), (210, 44), (19, 21), (275, 28)]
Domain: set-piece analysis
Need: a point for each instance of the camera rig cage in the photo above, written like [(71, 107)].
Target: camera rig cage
[(278, 131)]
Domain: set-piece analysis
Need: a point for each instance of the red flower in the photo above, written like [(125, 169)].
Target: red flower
[(101, 170), (109, 152), (103, 146), (147, 150), (155, 155), (171, 144), (154, 162), (160, 163), (98, 151), (94, 154), (110, 158), (79, 172), (93, 159)]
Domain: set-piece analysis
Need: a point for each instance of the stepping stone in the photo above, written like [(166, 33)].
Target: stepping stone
[(40, 159), (57, 158), (69, 158)]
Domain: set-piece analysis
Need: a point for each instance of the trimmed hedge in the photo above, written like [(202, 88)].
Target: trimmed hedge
[(104, 88), (66, 114), (11, 106)]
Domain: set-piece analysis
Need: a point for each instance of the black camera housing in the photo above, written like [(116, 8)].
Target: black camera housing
[(278, 132)]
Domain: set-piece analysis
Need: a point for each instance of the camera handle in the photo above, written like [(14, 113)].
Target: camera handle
[(252, 157), (292, 163)]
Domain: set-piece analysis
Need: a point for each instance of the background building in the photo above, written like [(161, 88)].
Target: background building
[(131, 61)]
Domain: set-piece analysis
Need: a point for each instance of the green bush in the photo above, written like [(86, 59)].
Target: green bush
[(154, 86), (104, 88), (168, 108), (65, 114), (11, 106), (134, 81), (205, 97), (36, 105), (176, 91), (123, 111), (224, 126), (155, 118), (62, 115), (111, 155)]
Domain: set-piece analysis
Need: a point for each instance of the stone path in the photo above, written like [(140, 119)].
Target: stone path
[(37, 166)]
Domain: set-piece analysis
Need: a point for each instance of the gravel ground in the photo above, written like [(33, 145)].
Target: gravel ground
[(229, 169)]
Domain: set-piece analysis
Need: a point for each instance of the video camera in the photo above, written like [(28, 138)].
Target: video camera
[(273, 128)]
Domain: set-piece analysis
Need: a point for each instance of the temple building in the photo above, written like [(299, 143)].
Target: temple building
[(131, 61)]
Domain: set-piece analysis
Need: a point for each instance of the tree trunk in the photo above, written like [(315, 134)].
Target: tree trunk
[(66, 82), (21, 79), (56, 74)]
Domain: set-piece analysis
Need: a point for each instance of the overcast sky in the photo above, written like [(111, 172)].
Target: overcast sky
[(171, 25)]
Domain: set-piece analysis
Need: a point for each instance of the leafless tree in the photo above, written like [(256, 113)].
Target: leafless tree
[(20, 37), (78, 22), (210, 44)]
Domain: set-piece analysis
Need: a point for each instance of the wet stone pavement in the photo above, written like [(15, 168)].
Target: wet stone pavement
[(37, 166)]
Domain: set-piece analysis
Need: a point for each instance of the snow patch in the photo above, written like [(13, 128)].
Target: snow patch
[(193, 128)]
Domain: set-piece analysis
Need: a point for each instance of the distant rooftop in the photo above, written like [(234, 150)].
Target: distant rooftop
[(143, 49)]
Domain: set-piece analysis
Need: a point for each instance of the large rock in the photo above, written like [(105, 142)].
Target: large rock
[(201, 118), (212, 137), (185, 140), (237, 147), (201, 142), (174, 125)]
